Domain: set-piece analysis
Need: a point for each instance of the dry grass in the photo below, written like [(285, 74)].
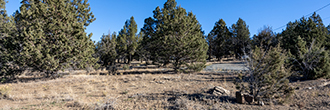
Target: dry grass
[(140, 91)]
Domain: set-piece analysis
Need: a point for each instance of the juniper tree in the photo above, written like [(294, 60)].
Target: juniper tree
[(176, 35), (222, 43), (52, 34), (127, 39), (241, 37), (312, 61), (267, 75)]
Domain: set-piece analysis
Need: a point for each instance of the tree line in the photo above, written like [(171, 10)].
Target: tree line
[(49, 36)]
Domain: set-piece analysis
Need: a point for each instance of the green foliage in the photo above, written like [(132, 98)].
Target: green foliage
[(220, 41), (106, 49), (175, 36), (267, 75), (241, 37), (8, 46), (50, 43), (128, 40), (313, 61), (265, 38), (308, 29), (126, 67), (307, 41)]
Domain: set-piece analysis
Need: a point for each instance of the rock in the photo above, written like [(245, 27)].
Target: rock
[(221, 90), (166, 78), (160, 82), (239, 97), (324, 84), (248, 98), (261, 103)]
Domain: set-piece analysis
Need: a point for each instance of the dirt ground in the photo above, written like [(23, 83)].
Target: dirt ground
[(164, 90)]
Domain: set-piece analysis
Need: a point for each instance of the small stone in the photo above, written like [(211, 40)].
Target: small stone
[(261, 103), (160, 82), (324, 84), (167, 78)]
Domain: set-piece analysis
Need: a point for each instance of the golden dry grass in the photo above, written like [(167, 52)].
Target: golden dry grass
[(141, 91)]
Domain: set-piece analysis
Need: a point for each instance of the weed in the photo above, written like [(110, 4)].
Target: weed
[(126, 67), (5, 90), (45, 87), (104, 93), (124, 92)]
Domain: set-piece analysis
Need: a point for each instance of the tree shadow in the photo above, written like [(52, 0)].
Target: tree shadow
[(174, 97)]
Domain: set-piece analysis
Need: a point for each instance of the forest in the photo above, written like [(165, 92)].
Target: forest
[(49, 37)]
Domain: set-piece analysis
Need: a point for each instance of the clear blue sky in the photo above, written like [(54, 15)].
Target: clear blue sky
[(112, 14)]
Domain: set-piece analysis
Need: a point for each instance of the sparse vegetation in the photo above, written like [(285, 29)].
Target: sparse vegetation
[(267, 76), (48, 61)]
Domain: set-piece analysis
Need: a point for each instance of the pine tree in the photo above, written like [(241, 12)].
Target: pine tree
[(176, 36), (222, 43), (148, 30), (53, 37), (241, 37), (8, 53), (106, 49), (265, 38), (128, 40), (328, 29), (307, 43), (308, 29), (210, 41)]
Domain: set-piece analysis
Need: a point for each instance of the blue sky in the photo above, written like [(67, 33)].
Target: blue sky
[(112, 14)]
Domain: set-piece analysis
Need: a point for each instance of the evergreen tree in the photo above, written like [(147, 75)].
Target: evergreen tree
[(52, 35), (141, 49), (128, 40), (8, 54), (210, 41), (328, 29), (308, 29), (313, 61), (267, 75), (145, 44), (241, 37), (106, 49), (265, 38), (222, 44), (176, 35)]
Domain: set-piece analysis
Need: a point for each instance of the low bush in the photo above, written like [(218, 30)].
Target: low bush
[(267, 76)]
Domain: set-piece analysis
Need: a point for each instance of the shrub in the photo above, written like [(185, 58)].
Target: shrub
[(312, 62), (196, 66), (267, 76), (126, 67)]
